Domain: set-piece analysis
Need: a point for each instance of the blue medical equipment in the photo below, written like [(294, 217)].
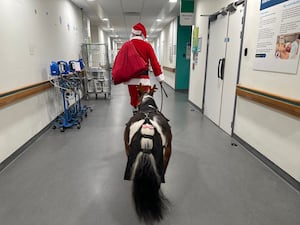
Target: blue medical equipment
[(54, 69), (63, 67), (76, 66), (66, 77)]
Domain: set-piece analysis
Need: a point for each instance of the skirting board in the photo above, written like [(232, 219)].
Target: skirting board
[(288, 178)]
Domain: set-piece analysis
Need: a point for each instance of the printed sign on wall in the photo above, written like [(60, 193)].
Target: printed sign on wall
[(278, 41)]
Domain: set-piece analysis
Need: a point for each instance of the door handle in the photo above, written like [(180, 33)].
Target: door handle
[(219, 64), (221, 68)]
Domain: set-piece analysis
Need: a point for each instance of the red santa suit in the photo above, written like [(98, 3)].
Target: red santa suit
[(147, 53)]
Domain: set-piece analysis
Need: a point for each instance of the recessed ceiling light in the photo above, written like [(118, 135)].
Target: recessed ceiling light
[(173, 1), (158, 20)]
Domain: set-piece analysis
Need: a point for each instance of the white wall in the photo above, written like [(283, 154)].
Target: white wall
[(274, 134), (167, 42), (34, 33)]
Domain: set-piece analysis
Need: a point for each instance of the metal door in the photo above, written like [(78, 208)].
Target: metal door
[(222, 68), (235, 26), (214, 82)]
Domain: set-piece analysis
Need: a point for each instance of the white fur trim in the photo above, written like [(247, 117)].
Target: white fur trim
[(137, 81), (136, 37), (160, 77), (136, 32)]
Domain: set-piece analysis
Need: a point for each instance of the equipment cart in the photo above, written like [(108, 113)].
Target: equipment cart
[(69, 82), (97, 70)]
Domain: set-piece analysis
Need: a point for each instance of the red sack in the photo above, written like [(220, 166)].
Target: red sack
[(128, 64)]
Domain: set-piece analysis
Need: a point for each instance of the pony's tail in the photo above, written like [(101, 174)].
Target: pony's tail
[(150, 202)]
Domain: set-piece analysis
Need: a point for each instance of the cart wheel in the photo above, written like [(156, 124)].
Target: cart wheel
[(53, 127), (62, 129), (78, 126), (85, 114)]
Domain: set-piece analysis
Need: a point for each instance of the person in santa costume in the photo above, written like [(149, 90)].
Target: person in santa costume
[(145, 50)]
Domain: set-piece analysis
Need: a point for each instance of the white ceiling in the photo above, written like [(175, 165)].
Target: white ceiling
[(123, 14)]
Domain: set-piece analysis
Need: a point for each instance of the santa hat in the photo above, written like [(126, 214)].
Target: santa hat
[(139, 29)]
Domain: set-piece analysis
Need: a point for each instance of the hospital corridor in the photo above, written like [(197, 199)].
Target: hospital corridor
[(150, 112)]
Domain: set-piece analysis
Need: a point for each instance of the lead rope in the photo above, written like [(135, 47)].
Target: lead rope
[(162, 97)]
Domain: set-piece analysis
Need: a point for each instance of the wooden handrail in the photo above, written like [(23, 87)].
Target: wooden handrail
[(173, 70), (18, 94), (284, 104)]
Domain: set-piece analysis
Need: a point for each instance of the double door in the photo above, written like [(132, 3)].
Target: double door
[(222, 67)]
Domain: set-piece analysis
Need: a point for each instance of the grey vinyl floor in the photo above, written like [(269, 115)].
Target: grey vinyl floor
[(76, 177)]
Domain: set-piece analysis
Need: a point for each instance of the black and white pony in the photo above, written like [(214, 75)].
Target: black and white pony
[(147, 139)]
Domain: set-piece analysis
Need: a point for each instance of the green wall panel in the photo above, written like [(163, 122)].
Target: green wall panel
[(187, 6), (182, 62)]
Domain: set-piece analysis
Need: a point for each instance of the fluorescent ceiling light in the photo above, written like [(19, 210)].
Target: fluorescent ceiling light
[(158, 20), (172, 1)]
